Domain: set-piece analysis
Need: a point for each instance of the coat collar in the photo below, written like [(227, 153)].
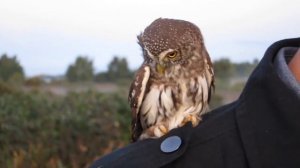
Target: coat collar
[(146, 153), (267, 109)]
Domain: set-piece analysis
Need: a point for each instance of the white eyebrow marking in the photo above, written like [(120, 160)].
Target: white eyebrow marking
[(150, 54)]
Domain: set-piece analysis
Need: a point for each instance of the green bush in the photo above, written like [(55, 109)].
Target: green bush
[(39, 130), (4, 88)]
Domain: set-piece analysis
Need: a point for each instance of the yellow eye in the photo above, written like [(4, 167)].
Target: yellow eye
[(172, 54)]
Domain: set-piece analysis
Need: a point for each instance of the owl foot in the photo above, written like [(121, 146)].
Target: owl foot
[(160, 130), (191, 118), (155, 131)]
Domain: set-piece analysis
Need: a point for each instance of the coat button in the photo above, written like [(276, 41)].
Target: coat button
[(170, 144)]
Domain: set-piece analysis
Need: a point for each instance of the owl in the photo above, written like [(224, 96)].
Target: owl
[(174, 83)]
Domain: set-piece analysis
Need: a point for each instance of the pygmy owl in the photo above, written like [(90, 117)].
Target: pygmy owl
[(174, 83)]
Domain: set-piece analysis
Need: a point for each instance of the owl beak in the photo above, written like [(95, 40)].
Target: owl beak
[(160, 69)]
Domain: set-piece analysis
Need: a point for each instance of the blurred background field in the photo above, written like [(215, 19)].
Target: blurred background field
[(70, 120)]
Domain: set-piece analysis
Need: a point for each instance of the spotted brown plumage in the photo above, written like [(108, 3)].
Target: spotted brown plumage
[(173, 85), (137, 92)]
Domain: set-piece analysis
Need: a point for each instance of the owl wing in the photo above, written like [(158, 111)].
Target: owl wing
[(136, 97), (209, 74)]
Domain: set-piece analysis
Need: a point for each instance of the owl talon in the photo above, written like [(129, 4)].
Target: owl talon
[(195, 120), (160, 130), (163, 129), (191, 118)]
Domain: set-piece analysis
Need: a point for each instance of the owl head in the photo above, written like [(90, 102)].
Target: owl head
[(168, 42)]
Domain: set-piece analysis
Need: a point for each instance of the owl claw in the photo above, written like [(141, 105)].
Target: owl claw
[(163, 129), (191, 118), (160, 130), (154, 132)]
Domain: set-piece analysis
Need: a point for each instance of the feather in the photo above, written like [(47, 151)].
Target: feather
[(135, 98), (150, 107)]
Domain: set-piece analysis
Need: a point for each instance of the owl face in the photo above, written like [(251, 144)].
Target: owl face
[(168, 42)]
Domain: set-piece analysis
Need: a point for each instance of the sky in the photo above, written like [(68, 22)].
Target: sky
[(48, 35)]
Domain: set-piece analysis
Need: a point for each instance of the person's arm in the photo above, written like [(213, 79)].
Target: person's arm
[(294, 65)]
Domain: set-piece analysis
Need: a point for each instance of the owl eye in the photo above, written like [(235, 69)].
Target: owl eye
[(172, 54)]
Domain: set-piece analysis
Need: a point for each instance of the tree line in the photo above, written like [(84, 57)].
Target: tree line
[(83, 69)]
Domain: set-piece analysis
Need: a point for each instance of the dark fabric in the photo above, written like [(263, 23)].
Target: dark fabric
[(261, 129)]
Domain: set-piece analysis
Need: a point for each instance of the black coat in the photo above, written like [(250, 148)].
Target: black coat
[(261, 129)]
